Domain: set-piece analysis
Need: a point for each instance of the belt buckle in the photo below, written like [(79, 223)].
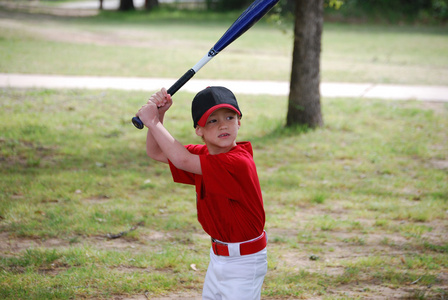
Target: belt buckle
[(215, 247)]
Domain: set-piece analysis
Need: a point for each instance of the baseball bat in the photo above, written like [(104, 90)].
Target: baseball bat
[(245, 21)]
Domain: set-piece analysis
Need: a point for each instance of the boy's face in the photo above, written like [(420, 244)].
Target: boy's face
[(220, 130)]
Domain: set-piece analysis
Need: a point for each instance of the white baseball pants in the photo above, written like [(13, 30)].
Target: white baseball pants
[(235, 277)]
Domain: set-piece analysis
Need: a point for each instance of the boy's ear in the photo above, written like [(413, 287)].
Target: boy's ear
[(198, 131)]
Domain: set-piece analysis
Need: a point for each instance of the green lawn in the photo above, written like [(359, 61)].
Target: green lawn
[(166, 45)]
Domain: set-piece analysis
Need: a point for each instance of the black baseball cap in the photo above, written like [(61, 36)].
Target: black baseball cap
[(211, 99)]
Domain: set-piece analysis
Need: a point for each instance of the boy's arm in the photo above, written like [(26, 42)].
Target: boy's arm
[(179, 156), (160, 144), (163, 101), (152, 147)]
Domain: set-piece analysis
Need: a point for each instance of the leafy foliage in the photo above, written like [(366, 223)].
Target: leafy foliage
[(226, 5), (394, 9)]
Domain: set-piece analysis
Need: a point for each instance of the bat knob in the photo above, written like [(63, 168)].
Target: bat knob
[(137, 123)]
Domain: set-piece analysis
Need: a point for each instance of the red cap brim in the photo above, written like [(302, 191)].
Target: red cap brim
[(205, 116)]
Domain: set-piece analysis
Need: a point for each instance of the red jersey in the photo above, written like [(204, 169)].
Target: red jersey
[(228, 195)]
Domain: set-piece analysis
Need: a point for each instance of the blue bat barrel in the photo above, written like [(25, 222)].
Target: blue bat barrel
[(245, 21)]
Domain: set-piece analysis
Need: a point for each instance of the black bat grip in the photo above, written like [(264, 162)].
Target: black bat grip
[(137, 123), (172, 90), (181, 81)]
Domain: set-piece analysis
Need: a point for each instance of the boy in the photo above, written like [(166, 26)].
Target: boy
[(228, 196)]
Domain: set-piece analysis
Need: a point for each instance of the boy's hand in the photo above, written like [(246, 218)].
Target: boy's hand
[(148, 113), (162, 99)]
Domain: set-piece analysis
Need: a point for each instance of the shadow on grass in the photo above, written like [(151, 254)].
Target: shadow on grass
[(280, 131)]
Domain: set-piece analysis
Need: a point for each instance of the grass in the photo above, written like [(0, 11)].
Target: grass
[(355, 209), (74, 169), (81, 271)]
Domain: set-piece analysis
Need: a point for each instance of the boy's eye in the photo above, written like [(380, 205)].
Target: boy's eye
[(212, 121)]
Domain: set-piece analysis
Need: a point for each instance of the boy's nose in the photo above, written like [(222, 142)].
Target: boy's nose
[(222, 124)]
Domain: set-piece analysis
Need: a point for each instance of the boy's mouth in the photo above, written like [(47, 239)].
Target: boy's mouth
[(223, 135)]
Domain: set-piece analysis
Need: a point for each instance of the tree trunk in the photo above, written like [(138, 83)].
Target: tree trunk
[(126, 5), (150, 4), (101, 4), (208, 4), (304, 96)]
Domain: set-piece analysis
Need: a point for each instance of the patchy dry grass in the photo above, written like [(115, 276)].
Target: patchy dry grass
[(356, 209)]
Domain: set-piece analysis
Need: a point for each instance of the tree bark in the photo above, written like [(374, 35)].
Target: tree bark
[(150, 4), (304, 97), (208, 4), (126, 5)]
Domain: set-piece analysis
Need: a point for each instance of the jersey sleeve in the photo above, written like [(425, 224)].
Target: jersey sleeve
[(181, 176)]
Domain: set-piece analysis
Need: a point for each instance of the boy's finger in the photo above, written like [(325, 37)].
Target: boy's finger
[(155, 98), (165, 94)]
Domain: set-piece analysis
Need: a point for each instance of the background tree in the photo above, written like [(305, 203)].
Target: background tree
[(208, 4), (126, 5), (150, 4), (304, 97), (225, 5), (393, 11)]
